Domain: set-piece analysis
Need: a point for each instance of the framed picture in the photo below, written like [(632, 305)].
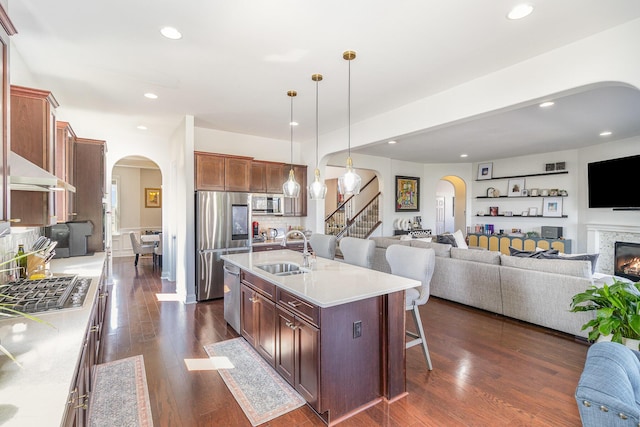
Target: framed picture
[(550, 167), (560, 166), (552, 206), (485, 171), (533, 211), (493, 211), (152, 198), (407, 194), (515, 187)]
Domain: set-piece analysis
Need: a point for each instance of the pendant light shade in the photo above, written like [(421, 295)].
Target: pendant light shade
[(291, 188), (317, 189), (349, 183)]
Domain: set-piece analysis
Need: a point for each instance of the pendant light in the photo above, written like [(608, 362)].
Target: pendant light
[(317, 189), (349, 183), (291, 188)]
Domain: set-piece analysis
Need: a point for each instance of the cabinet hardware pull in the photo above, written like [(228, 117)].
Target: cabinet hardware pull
[(83, 406), (294, 303), (253, 300), (291, 326), (94, 329)]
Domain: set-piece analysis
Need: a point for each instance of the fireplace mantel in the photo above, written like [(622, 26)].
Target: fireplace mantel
[(601, 239)]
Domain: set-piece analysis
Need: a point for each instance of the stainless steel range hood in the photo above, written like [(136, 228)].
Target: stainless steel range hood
[(26, 176)]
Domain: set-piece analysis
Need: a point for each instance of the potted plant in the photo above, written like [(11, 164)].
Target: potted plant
[(617, 309)]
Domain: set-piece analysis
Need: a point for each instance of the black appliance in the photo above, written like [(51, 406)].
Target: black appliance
[(54, 293), (59, 233), (78, 233), (612, 183)]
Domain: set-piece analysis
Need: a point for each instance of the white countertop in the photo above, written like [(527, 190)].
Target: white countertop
[(37, 393), (329, 283)]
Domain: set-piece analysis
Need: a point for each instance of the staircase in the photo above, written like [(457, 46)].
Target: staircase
[(346, 221)]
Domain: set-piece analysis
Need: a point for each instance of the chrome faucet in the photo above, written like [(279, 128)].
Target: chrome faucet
[(305, 252)]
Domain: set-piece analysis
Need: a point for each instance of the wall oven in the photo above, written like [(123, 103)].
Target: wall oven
[(267, 204)]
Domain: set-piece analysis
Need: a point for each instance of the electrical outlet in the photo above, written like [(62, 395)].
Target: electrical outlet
[(357, 329)]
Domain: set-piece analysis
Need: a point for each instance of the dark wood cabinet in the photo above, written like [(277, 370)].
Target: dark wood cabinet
[(216, 172), (209, 172), (33, 133), (6, 29), (258, 315), (77, 410), (267, 177), (298, 354), (89, 166), (296, 206), (65, 170)]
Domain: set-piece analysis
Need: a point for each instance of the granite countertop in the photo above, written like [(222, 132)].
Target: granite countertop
[(37, 393), (328, 283)]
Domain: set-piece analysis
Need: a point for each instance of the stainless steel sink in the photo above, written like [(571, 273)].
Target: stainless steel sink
[(282, 269)]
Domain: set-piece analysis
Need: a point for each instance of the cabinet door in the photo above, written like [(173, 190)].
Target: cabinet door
[(209, 172), (237, 175), (296, 206), (308, 361), (285, 348), (6, 29), (258, 177), (266, 327), (90, 188), (275, 178), (247, 318)]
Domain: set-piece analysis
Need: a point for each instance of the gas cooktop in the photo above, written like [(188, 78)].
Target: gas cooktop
[(55, 293)]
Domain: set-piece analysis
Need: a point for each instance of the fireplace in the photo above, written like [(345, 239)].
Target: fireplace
[(627, 260)]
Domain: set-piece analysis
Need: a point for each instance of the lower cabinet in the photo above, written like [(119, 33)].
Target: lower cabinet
[(298, 355), (335, 366), (77, 411)]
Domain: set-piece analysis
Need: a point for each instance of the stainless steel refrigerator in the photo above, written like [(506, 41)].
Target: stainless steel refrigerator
[(223, 222)]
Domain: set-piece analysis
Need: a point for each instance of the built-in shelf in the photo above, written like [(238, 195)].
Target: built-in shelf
[(525, 175), (515, 197), (520, 216)]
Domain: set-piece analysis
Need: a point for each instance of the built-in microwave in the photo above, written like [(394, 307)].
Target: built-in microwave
[(267, 204)]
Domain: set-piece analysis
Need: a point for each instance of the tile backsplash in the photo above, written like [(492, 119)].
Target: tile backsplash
[(9, 247)]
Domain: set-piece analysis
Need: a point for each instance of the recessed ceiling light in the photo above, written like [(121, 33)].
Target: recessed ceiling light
[(464, 155), (520, 11), (171, 33), (151, 95), (605, 133), (142, 127), (547, 104), (392, 142), (293, 123)]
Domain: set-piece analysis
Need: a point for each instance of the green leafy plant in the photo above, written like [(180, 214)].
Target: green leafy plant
[(617, 309)]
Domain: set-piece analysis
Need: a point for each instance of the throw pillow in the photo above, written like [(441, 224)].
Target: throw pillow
[(446, 239), (460, 242), (532, 254), (582, 257)]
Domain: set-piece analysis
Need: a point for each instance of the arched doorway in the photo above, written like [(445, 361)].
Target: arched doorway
[(451, 205), (136, 201)]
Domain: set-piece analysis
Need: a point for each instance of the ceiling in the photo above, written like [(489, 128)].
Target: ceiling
[(237, 59)]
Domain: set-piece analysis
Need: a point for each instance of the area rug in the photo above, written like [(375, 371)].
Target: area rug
[(120, 396), (261, 393)]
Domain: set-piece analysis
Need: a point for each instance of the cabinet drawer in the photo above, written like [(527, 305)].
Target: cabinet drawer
[(260, 285), (299, 306)]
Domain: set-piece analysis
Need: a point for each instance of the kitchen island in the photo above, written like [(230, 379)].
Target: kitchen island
[(38, 393), (335, 332)]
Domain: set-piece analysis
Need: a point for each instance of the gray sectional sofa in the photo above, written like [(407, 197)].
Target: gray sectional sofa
[(537, 291)]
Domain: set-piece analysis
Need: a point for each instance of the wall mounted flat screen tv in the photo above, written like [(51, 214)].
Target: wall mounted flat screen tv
[(615, 183)]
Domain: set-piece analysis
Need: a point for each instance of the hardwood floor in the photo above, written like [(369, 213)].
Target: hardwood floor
[(488, 370)]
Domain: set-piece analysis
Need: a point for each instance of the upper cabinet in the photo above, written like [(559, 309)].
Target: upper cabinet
[(33, 133), (64, 169), (6, 29), (216, 172), (266, 177), (296, 206), (89, 166)]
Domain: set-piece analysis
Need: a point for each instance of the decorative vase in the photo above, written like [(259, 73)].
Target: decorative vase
[(628, 342)]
